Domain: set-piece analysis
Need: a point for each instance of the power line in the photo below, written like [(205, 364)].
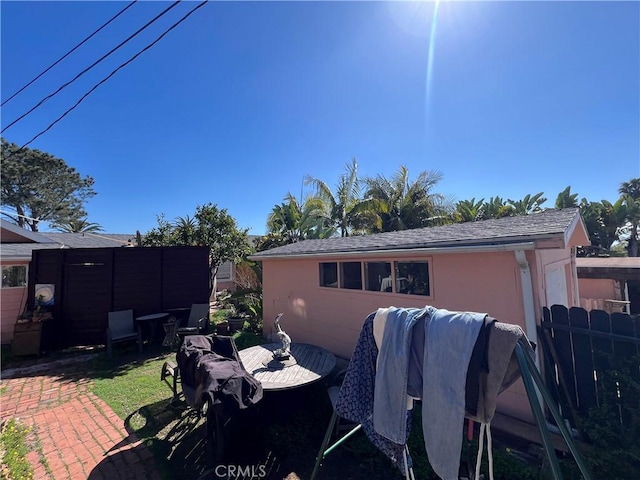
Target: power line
[(92, 89), (91, 66), (69, 52)]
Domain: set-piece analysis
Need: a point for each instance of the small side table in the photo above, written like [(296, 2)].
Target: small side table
[(26, 338), (171, 338)]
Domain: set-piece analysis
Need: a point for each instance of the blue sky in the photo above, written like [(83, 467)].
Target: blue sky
[(243, 99)]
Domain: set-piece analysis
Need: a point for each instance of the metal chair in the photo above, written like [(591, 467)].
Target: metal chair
[(198, 320), (121, 328), (336, 426)]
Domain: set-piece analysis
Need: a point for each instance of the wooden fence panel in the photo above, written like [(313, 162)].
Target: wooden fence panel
[(90, 282), (590, 346), (602, 349), (562, 344), (583, 361), (622, 324)]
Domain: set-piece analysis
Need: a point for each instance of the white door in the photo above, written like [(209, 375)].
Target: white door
[(556, 286)]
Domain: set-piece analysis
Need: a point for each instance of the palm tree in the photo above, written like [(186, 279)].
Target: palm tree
[(632, 215), (291, 222), (402, 204), (468, 210), (78, 225), (529, 204), (184, 230), (631, 192), (346, 209), (495, 208), (632, 187), (566, 199)]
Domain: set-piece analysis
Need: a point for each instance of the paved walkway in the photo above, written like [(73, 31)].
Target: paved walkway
[(76, 434)]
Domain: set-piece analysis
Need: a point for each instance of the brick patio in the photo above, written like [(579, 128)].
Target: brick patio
[(78, 435)]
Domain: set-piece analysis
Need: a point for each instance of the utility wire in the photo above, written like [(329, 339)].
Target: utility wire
[(92, 89), (69, 52), (91, 66)]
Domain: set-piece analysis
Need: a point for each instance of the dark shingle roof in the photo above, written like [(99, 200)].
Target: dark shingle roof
[(66, 240), (90, 240), (520, 229)]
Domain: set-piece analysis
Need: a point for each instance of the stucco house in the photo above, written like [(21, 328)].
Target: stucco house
[(16, 245), (611, 284), (509, 268)]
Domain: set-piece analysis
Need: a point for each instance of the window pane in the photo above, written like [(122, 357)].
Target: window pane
[(412, 278), (378, 276), (329, 275), (351, 275), (14, 276)]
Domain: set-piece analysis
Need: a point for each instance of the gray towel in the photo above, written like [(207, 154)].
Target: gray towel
[(503, 368)]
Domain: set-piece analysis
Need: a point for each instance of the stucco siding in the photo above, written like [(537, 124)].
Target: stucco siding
[(332, 317), (599, 288), (12, 302), (12, 306)]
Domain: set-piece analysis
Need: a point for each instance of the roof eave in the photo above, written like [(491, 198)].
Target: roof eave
[(387, 252)]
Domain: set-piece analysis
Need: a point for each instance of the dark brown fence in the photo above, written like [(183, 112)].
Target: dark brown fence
[(581, 350), (90, 282)]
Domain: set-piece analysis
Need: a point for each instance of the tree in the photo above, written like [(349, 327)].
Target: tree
[(602, 220), (402, 204), (161, 236), (630, 192), (78, 225), (347, 210), (632, 187), (632, 215), (495, 208), (211, 227), (41, 187), (468, 210), (293, 222), (219, 231), (566, 199), (184, 230), (529, 204)]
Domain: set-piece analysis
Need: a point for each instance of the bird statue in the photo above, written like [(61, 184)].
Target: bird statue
[(284, 352)]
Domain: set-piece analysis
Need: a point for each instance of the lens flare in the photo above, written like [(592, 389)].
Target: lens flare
[(430, 57)]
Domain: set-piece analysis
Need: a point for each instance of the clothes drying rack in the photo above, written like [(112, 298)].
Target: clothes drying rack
[(531, 378)]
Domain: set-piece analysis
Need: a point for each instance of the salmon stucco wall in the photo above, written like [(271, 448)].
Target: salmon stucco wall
[(599, 288), (12, 302), (332, 318)]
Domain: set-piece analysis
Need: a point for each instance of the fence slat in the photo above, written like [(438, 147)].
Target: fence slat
[(549, 363), (624, 354), (583, 362), (562, 343), (602, 348)]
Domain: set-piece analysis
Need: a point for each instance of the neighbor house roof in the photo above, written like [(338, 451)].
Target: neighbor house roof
[(617, 268), (18, 243), (555, 225)]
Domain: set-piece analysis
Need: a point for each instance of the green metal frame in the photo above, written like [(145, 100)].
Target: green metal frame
[(530, 375)]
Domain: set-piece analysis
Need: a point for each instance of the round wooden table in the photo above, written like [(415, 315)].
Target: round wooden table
[(308, 363)]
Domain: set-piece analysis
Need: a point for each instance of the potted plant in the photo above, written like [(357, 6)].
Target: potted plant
[(235, 318), (222, 327)]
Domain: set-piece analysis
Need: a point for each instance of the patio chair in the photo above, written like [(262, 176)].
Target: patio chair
[(337, 426), (214, 384), (121, 328), (198, 320)]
